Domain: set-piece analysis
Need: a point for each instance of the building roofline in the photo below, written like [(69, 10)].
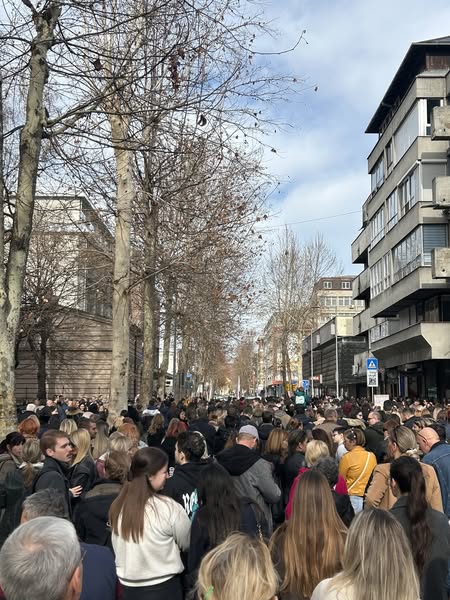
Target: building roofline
[(409, 68)]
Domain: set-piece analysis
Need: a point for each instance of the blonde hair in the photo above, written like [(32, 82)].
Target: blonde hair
[(82, 442), (31, 455), (240, 567), (157, 423), (315, 450), (68, 426), (100, 444), (310, 545), (406, 441), (118, 442), (274, 444), (369, 569)]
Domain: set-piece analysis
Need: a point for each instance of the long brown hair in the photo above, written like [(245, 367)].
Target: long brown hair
[(129, 507), (311, 543)]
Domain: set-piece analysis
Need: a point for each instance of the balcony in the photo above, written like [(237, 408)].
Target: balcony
[(361, 285), (360, 247), (362, 322)]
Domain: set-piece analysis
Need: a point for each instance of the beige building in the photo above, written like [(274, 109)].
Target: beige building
[(334, 297), (407, 315)]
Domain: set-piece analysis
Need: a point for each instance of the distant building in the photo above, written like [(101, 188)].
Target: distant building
[(335, 297), (405, 230)]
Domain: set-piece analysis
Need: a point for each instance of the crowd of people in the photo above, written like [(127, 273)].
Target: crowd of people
[(259, 499)]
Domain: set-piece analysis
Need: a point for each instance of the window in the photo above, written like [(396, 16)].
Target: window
[(380, 275), (391, 211), (431, 103), (346, 285), (407, 132), (407, 193), (420, 314), (406, 256), (434, 236), (445, 307), (389, 154), (377, 226), (432, 310), (377, 175), (327, 285)]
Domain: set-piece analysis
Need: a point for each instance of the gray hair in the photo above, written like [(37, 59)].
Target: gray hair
[(40, 555), (45, 503)]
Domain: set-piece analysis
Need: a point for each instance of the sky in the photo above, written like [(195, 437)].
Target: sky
[(351, 52)]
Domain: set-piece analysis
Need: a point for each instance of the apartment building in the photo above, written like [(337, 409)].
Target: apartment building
[(334, 297), (407, 316)]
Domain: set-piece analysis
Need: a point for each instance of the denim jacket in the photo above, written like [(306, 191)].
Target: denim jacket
[(439, 458)]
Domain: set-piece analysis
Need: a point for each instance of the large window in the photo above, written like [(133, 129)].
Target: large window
[(377, 226), (431, 103), (380, 275), (407, 193), (377, 175), (391, 211), (407, 132), (406, 256)]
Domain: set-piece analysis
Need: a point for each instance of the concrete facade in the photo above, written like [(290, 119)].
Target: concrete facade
[(405, 233)]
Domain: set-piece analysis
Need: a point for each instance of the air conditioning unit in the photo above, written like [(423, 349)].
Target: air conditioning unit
[(441, 192), (440, 123), (440, 263)]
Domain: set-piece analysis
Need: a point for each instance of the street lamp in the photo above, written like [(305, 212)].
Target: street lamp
[(337, 356)]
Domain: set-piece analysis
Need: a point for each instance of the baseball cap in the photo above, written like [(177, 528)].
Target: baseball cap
[(31, 407), (249, 430)]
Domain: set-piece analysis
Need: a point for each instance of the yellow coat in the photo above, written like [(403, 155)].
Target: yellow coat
[(356, 468)]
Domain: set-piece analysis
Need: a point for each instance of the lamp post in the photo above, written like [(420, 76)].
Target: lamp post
[(337, 356)]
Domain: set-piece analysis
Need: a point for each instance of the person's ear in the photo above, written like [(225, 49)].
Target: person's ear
[(75, 584)]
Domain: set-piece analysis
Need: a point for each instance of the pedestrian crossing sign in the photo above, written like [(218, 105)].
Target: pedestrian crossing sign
[(372, 364)]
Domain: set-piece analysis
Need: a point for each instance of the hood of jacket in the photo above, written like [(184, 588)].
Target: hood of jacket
[(187, 475), (238, 459)]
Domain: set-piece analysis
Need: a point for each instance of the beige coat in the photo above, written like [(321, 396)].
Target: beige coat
[(379, 494)]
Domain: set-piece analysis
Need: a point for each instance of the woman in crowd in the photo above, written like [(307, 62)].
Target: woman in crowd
[(117, 443), (69, 426), (132, 432), (170, 439), (401, 441), (295, 459), (18, 484), (356, 466), (377, 563), (148, 532), (308, 547), (239, 568), (91, 516), (83, 471), (221, 513), (11, 453), (315, 450), (275, 452), (322, 436), (29, 427), (156, 431), (100, 444), (328, 467), (428, 530)]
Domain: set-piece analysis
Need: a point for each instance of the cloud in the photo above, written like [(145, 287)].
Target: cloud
[(353, 52)]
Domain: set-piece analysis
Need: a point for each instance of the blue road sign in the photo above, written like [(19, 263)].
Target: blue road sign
[(372, 364), (305, 384)]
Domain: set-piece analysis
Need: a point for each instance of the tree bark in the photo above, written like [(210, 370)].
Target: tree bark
[(11, 278), (120, 359), (150, 318), (166, 345)]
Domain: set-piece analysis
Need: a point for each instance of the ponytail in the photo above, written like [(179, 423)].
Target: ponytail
[(407, 472)]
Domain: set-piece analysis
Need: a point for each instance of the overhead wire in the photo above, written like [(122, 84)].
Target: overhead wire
[(353, 212)]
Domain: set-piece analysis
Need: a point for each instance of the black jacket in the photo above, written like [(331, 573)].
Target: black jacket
[(91, 514), (344, 507), (154, 439), (207, 430), (168, 445), (292, 466), (54, 475), (374, 436), (183, 484), (84, 473), (252, 523), (434, 578)]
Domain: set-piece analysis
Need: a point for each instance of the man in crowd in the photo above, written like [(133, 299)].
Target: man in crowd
[(42, 560), (200, 423), (90, 426), (330, 422), (437, 454), (374, 432), (252, 474)]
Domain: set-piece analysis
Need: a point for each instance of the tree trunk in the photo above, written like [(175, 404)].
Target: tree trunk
[(120, 358), (166, 345), (11, 279), (150, 318)]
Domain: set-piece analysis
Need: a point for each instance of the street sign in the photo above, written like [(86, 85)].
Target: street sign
[(372, 364), (305, 384), (372, 378)]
